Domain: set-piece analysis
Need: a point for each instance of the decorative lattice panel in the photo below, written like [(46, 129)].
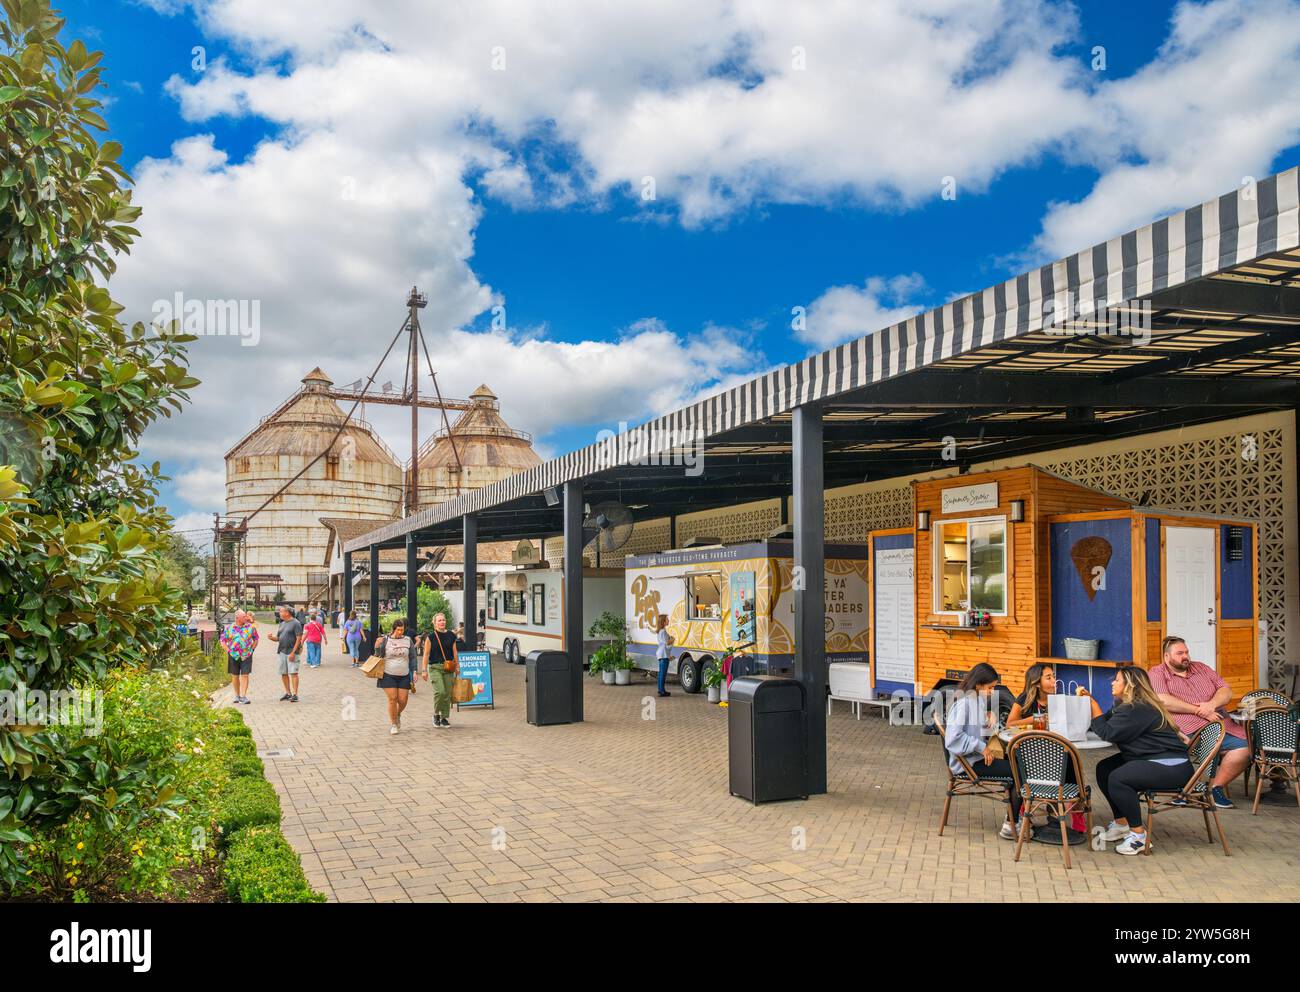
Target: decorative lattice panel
[(1235, 475), (851, 517), (746, 523)]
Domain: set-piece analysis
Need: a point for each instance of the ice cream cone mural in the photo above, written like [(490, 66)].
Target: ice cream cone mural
[(1091, 555)]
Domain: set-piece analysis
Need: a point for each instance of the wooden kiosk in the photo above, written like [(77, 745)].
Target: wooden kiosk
[(1048, 560)]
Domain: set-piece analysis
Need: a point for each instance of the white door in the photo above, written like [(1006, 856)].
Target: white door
[(1189, 589)]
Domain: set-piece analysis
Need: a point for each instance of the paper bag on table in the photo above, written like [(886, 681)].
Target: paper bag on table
[(1069, 716)]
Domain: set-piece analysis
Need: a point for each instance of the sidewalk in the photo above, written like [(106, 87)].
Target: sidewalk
[(631, 809)]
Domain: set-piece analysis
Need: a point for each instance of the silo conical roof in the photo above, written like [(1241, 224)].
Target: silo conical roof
[(305, 424)]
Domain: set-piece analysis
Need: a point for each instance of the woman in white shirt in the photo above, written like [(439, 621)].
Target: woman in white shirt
[(661, 652), (399, 655)]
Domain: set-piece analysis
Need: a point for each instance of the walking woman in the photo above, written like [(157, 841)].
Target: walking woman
[(969, 728), (440, 665), (399, 655), (1152, 754), (352, 637)]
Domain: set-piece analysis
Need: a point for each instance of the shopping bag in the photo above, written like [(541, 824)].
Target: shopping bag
[(462, 691), (1069, 716), (374, 667)]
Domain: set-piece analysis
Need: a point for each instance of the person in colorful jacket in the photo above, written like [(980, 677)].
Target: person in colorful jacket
[(314, 636), (240, 641)]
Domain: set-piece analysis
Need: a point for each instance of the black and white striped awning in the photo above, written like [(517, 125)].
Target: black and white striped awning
[(1242, 242)]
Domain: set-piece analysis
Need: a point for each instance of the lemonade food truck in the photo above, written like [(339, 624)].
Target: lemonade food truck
[(525, 608), (724, 597)]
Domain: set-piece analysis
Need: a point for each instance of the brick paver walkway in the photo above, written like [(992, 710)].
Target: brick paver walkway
[(626, 808)]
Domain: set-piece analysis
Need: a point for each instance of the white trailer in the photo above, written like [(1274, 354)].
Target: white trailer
[(525, 609)]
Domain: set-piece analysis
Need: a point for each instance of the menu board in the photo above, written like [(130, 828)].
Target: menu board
[(477, 667), (895, 627)]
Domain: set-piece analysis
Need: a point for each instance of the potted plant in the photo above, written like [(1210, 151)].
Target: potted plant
[(713, 681), (600, 663), (623, 670), (612, 656)]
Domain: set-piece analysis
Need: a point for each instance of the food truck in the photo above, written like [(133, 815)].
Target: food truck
[(724, 597), (1019, 566), (525, 608)]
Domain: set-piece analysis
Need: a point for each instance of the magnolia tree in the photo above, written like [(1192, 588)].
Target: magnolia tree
[(82, 585)]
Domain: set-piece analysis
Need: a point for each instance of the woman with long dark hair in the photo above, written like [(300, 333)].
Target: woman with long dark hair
[(1040, 682), (1152, 754), (970, 723), (398, 651)]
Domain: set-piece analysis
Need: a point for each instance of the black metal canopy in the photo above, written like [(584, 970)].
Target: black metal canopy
[(1198, 325)]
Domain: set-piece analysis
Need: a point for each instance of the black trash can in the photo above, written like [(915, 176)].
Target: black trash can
[(547, 688), (767, 738)]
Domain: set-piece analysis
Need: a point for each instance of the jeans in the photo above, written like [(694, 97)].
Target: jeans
[(313, 654), (354, 647), (1120, 782), (663, 673)]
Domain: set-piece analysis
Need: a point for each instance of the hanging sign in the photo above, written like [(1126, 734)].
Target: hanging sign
[(959, 499)]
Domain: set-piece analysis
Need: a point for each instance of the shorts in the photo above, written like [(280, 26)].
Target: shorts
[(395, 681), (288, 666), (239, 666), (1231, 743)]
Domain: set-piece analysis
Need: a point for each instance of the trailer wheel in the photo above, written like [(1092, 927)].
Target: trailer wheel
[(688, 673), (512, 651)]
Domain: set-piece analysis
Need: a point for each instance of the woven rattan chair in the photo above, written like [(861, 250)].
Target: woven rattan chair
[(1041, 763), (1195, 794), (1273, 739), (970, 784), (1272, 696)]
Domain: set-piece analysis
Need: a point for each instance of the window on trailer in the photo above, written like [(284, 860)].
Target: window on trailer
[(972, 572), (704, 596), (513, 602)]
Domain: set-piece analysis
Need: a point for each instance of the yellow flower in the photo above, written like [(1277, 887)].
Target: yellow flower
[(81, 845)]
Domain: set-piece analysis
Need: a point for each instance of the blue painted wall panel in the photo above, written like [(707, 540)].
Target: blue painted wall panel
[(1153, 569), (1236, 585), (1108, 616)]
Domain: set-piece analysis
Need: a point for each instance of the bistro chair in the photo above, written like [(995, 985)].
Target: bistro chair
[(1204, 755), (1273, 733), (1041, 763), (970, 784), (1257, 695)]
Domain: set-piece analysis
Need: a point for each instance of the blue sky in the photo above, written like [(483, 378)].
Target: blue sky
[(506, 189)]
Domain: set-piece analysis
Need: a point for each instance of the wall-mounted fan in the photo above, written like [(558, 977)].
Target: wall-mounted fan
[(608, 524)]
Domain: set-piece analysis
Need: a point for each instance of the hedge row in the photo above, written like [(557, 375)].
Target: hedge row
[(260, 865)]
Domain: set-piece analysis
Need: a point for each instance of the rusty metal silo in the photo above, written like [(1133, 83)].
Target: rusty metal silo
[(359, 477), (486, 450)]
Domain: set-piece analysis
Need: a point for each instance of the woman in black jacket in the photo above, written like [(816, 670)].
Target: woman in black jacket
[(1152, 754)]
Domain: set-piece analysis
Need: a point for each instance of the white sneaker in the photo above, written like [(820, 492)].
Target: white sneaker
[(1115, 832), (1008, 832), (393, 729), (1133, 844)]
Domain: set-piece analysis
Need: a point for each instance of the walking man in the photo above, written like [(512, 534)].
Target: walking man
[(288, 638), (1194, 694), (240, 641)]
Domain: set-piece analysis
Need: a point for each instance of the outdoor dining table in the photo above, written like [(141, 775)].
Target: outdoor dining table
[(1051, 833)]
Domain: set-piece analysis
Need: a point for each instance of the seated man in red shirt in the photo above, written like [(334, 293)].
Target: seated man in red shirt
[(1194, 695)]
